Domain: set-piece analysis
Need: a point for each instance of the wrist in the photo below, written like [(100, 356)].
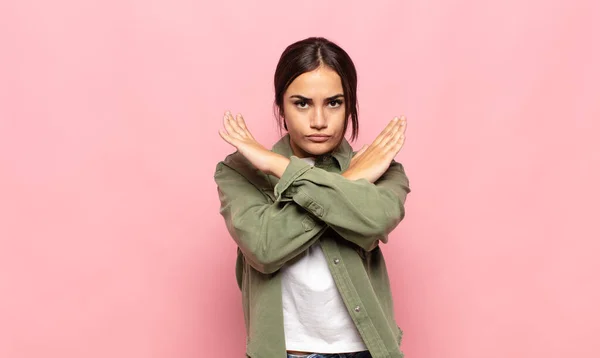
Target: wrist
[(349, 175), (277, 164)]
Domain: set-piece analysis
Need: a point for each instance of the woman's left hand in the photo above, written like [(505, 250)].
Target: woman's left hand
[(237, 134)]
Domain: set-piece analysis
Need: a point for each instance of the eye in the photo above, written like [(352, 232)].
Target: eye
[(335, 103), (300, 104)]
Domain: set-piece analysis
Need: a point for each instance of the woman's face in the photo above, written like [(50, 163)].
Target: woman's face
[(313, 109)]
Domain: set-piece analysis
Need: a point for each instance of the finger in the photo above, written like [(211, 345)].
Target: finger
[(227, 122), (399, 144), (360, 152), (235, 125), (240, 121), (226, 137), (399, 129), (363, 149), (242, 124), (385, 131), (403, 124), (389, 146), (391, 135), (223, 135)]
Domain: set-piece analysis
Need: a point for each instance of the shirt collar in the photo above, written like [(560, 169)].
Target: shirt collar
[(342, 153)]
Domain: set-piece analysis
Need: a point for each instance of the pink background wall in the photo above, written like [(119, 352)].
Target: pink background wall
[(111, 244)]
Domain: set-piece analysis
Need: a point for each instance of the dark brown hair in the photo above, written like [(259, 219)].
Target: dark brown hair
[(308, 55)]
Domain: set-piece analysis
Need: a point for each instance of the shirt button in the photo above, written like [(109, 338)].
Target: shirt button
[(336, 261), (357, 309)]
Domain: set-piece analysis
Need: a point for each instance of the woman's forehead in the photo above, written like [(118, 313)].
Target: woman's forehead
[(322, 82)]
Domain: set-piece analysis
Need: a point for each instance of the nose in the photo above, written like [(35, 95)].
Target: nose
[(318, 120)]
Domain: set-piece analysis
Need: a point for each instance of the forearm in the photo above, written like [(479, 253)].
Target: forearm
[(277, 164), (361, 212), (268, 234)]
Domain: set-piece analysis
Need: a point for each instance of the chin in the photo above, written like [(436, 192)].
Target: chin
[(316, 149)]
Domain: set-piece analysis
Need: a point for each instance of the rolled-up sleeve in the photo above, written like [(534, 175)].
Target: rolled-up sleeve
[(268, 233), (361, 212)]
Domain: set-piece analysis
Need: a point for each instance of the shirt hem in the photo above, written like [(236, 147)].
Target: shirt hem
[(346, 348)]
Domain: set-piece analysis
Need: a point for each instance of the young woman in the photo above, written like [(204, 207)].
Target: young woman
[(308, 216)]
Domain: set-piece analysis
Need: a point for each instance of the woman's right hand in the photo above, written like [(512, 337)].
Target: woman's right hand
[(236, 133), (373, 160)]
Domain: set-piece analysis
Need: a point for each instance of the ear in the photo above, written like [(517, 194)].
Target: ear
[(282, 116)]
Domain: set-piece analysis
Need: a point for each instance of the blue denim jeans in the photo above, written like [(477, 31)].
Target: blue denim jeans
[(364, 354)]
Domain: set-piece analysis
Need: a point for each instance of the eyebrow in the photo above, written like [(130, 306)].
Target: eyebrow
[(310, 99)]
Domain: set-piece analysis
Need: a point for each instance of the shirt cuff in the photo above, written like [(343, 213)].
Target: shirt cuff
[(296, 168)]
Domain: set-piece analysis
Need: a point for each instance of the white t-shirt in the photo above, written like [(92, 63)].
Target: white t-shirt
[(314, 314)]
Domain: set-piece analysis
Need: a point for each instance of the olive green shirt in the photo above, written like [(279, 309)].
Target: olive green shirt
[(273, 220)]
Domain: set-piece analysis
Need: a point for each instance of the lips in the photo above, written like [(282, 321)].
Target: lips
[(318, 138)]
